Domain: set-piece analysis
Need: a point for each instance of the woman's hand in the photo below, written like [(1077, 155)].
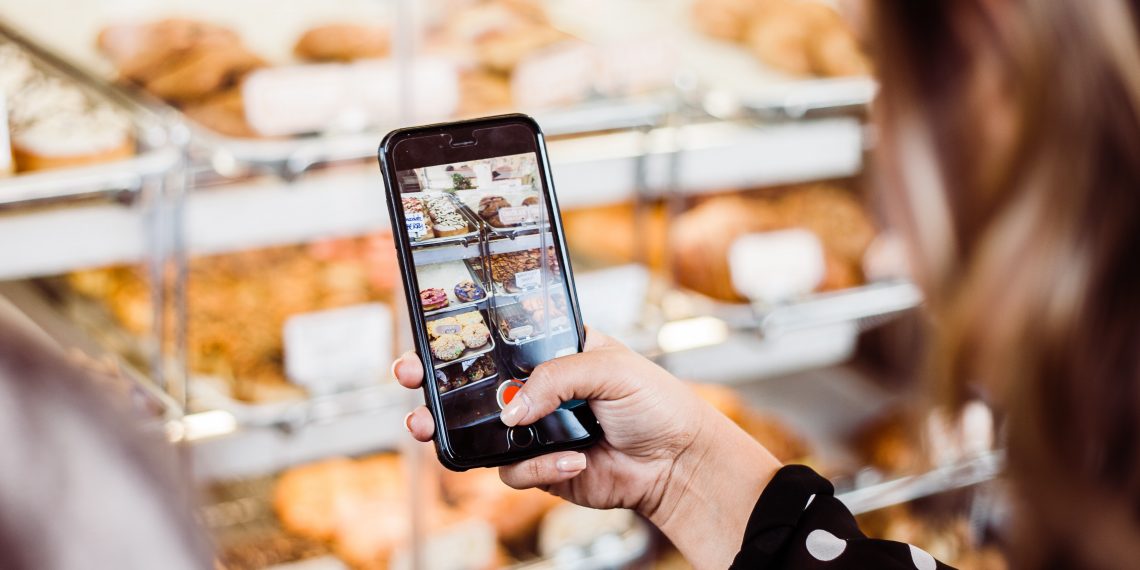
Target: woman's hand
[(666, 453)]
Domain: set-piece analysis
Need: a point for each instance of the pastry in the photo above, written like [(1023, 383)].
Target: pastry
[(343, 42), (141, 51), (723, 19), (446, 219), (223, 112), (53, 124), (468, 291), (433, 299), (506, 267), (530, 201), (489, 207), (515, 326), (446, 325), (469, 317), (480, 368), (475, 335), (413, 206), (447, 347), (203, 71)]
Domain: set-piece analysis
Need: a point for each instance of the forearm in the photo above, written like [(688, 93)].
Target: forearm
[(711, 492)]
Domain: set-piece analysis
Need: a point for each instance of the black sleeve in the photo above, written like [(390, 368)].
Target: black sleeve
[(798, 523)]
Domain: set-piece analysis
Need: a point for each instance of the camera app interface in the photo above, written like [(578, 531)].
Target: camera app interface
[(490, 283)]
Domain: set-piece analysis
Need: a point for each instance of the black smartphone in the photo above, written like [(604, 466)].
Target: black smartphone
[(488, 282)]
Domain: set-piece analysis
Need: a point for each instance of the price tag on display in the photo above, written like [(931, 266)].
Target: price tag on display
[(512, 216), (415, 223), (450, 328), (524, 331), (528, 279), (326, 351)]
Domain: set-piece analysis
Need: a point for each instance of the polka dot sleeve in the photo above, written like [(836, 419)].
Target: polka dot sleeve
[(798, 523)]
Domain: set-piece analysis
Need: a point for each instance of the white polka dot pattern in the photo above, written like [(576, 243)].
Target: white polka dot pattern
[(824, 546), (922, 559)]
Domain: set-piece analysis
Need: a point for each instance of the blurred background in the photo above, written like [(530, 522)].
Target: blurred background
[(181, 182)]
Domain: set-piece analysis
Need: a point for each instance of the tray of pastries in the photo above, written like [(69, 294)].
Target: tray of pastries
[(504, 211), (54, 118), (237, 305), (454, 378), (529, 317), (521, 271), (434, 218), (355, 513), (458, 336), (449, 287), (701, 238), (322, 80)]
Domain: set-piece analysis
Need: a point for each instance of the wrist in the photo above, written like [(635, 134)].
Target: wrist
[(711, 490)]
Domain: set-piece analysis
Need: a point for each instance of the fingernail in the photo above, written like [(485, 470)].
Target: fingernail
[(571, 463), (516, 410), (408, 422), (395, 365)]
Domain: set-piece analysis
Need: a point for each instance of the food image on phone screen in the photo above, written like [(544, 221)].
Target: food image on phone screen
[(483, 255)]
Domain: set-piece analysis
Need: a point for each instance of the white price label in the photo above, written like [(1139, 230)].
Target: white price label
[(519, 215), (528, 279), (524, 331), (328, 350), (416, 225)]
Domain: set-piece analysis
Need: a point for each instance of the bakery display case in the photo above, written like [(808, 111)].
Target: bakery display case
[(239, 265)]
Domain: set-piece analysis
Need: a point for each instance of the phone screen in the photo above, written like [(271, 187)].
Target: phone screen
[(494, 298)]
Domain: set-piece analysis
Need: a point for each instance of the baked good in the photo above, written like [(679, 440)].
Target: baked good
[(780, 33), (141, 51), (489, 207), (433, 298), (700, 238), (506, 266), (223, 112), (530, 201), (203, 71), (480, 368), (723, 19), (475, 335), (835, 215), (414, 206), (343, 42), (447, 347), (514, 514), (52, 123), (446, 219), (469, 317), (446, 325), (468, 291), (516, 326)]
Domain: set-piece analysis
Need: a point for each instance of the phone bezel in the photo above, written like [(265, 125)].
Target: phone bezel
[(447, 454)]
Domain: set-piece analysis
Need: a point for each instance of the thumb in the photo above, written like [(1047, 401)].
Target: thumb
[(590, 375)]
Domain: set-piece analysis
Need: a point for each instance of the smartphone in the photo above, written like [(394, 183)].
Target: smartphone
[(488, 282)]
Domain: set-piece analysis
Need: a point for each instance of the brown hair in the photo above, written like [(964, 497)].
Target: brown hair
[(1010, 156)]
